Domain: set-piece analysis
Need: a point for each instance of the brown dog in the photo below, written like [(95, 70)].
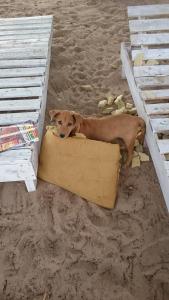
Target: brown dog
[(106, 129)]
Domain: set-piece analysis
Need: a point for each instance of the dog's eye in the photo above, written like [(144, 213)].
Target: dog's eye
[(60, 122), (69, 124)]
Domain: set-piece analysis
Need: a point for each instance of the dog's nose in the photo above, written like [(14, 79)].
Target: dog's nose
[(62, 135)]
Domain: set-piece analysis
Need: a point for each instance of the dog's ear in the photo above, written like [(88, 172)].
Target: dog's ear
[(77, 120), (53, 114)]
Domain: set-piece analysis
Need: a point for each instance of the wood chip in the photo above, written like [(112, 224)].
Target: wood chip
[(110, 100), (167, 156), (129, 105), (86, 87), (152, 62), (119, 102), (143, 157), (135, 162), (139, 60), (107, 110), (139, 148), (132, 111), (118, 111), (102, 103)]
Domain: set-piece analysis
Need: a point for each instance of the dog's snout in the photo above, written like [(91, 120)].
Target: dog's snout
[(62, 135)]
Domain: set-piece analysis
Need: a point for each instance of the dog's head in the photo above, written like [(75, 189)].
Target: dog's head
[(66, 122)]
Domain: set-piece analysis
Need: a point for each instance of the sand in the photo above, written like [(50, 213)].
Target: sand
[(53, 244)]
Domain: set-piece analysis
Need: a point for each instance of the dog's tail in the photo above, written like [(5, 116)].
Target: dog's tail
[(141, 131)]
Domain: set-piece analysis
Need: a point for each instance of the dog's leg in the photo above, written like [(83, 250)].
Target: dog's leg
[(130, 148)]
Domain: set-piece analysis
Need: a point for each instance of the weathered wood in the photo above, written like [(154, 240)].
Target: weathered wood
[(33, 32), (149, 39), (148, 10), (21, 82), (23, 53), (148, 25), (26, 26), (12, 172), (163, 146), (20, 37), (20, 105), (14, 118), (35, 42), (152, 81), (26, 63), (22, 72), (25, 20), (157, 109), (20, 92), (160, 125), (150, 140), (155, 94), (166, 165), (146, 71), (157, 54)]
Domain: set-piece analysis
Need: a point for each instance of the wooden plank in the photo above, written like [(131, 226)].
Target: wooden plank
[(148, 25), (16, 172), (160, 125), (149, 39), (25, 20), (21, 82), (27, 26), (157, 54), (16, 105), (163, 146), (158, 70), (20, 37), (14, 118), (16, 155), (20, 92), (33, 32), (36, 42), (14, 63), (157, 109), (148, 10), (152, 81), (155, 94), (166, 165), (23, 53), (150, 140), (22, 72)]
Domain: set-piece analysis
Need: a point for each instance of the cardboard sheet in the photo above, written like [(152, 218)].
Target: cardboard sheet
[(85, 167)]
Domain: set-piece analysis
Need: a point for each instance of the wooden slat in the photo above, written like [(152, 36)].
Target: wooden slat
[(26, 26), (16, 155), (20, 92), (25, 32), (148, 10), (23, 53), (155, 94), (163, 146), (152, 81), (149, 39), (157, 70), (14, 118), (21, 82), (25, 20), (166, 165), (157, 109), (22, 72), (24, 42), (16, 105), (160, 125), (25, 63), (16, 172), (149, 25), (157, 54), (20, 37)]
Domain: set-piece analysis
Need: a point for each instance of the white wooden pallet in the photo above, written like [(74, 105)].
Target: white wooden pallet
[(25, 48), (149, 84)]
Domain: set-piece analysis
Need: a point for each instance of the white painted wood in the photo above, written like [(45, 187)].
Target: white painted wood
[(31, 185), (148, 10), (166, 165), (33, 32), (25, 20), (23, 53), (155, 94), (157, 54), (150, 140), (149, 39), (20, 92), (157, 109), (20, 105), (20, 37), (146, 71), (152, 81), (21, 82), (148, 25), (160, 125), (26, 63), (163, 146), (26, 26), (22, 72), (14, 118), (24, 42)]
